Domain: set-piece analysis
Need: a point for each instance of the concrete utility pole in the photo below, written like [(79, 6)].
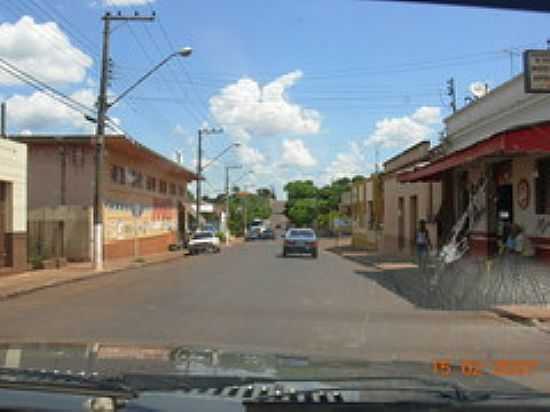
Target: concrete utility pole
[(3, 132), (102, 107), (202, 131), (451, 91), (227, 169)]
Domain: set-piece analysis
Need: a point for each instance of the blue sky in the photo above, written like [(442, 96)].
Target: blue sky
[(309, 88)]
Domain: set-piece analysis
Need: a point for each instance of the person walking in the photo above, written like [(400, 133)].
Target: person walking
[(423, 246)]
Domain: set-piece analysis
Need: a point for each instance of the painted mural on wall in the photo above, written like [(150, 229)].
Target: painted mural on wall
[(125, 220)]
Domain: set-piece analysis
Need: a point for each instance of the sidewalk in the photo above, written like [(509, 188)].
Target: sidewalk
[(520, 293), (27, 282)]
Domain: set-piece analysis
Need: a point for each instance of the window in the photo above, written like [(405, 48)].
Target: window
[(181, 190), (542, 187), (151, 184), (162, 186), (136, 179), (118, 174), (172, 188)]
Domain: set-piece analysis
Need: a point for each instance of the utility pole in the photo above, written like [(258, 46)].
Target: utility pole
[(3, 132), (227, 168), (451, 91), (201, 132), (102, 107)]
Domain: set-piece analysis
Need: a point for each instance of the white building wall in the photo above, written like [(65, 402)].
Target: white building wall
[(13, 169), (505, 107)]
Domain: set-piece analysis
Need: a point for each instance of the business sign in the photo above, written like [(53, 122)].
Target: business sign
[(537, 71)]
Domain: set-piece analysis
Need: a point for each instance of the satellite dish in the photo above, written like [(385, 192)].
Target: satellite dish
[(479, 89)]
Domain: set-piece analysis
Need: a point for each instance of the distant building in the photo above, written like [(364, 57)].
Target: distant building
[(278, 217), (145, 197), (367, 212), (13, 207)]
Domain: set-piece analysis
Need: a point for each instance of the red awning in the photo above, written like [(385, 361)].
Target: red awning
[(529, 139)]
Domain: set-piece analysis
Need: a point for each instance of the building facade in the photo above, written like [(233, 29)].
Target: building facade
[(367, 210), (144, 196), (497, 158), (405, 204), (13, 207)]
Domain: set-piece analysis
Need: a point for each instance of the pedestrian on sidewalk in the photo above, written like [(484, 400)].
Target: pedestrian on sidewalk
[(423, 246)]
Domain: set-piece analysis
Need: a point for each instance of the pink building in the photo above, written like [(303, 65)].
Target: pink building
[(144, 197)]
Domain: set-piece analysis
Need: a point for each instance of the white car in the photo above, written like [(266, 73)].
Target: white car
[(204, 241)]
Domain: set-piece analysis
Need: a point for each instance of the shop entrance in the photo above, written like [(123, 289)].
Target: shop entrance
[(505, 208)]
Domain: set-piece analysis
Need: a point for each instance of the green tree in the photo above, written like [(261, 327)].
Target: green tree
[(303, 212), (265, 192), (257, 207), (300, 189)]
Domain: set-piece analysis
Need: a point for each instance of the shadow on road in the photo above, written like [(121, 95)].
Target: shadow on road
[(469, 284)]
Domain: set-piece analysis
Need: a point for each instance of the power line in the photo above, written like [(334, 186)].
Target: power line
[(184, 69), (46, 35), (197, 110), (150, 59), (51, 92), (68, 27)]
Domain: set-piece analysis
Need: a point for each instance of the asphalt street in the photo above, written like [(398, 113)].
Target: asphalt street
[(250, 298)]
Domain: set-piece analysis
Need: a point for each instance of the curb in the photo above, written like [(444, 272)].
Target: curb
[(89, 276)]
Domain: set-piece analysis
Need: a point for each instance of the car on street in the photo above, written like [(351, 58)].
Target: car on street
[(301, 241), (203, 241), (267, 234)]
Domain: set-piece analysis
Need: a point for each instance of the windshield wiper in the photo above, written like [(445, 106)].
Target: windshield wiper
[(55, 381)]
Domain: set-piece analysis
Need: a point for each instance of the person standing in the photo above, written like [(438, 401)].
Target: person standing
[(423, 246)]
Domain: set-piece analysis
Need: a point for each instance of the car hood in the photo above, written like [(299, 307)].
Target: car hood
[(120, 359)]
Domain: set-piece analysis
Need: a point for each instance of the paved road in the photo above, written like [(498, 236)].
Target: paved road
[(248, 297)]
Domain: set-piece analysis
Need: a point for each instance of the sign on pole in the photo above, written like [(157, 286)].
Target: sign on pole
[(537, 71)]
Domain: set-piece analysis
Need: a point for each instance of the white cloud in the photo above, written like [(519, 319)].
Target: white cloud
[(124, 3), (179, 130), (407, 130), (38, 111), (250, 156), (247, 109), (42, 50), (296, 153), (347, 164), (26, 132)]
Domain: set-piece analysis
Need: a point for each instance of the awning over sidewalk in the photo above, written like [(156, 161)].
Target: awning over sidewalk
[(527, 139)]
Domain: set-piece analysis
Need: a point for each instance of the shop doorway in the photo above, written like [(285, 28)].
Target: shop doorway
[(413, 219), (3, 222), (505, 208), (401, 223)]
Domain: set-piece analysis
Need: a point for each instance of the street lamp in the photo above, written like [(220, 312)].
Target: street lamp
[(183, 52), (102, 107)]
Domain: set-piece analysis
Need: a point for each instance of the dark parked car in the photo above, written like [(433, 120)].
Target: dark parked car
[(267, 234), (301, 241), (252, 234)]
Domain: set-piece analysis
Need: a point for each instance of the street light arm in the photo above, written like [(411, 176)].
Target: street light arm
[(228, 148), (142, 79)]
